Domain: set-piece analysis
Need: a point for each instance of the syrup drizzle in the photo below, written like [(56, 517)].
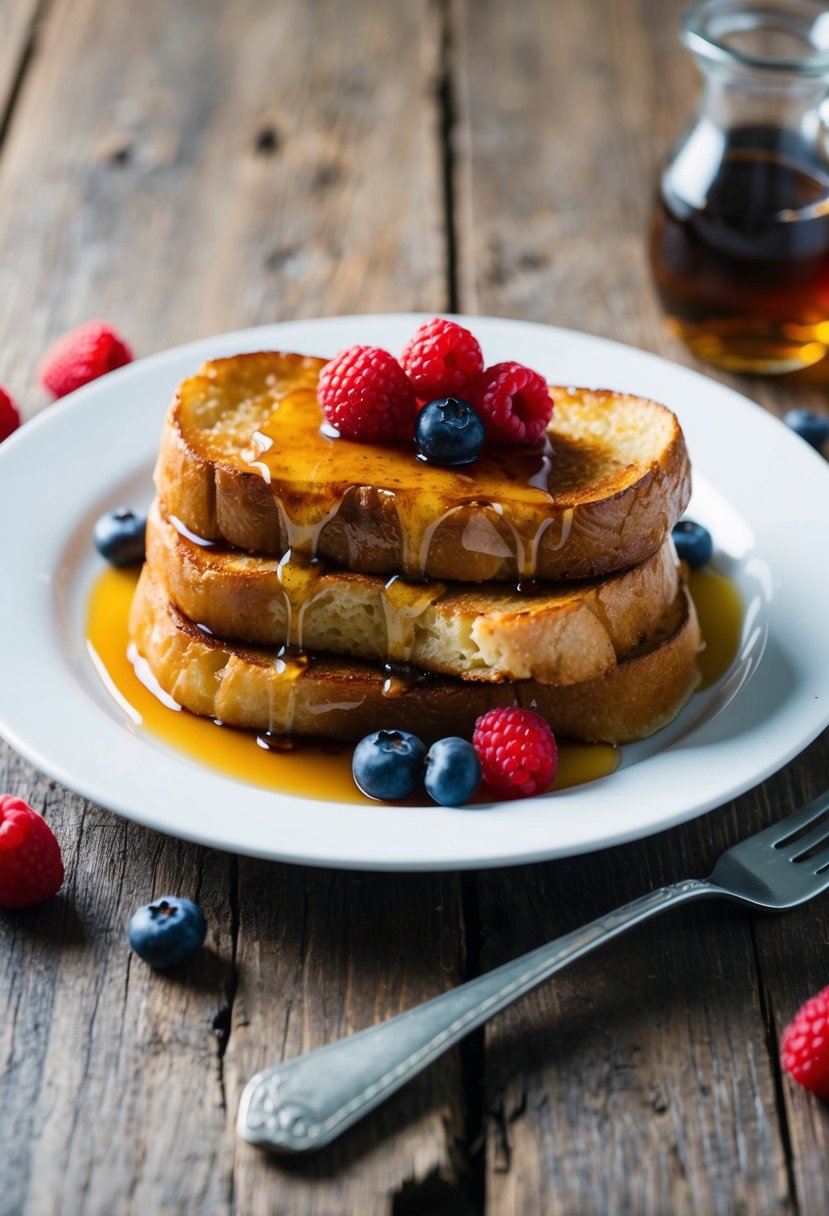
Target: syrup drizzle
[(270, 759)]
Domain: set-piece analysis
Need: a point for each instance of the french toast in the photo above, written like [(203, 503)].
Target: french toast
[(557, 633), (345, 699), (244, 460)]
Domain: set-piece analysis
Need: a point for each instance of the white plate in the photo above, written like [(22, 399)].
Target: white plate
[(762, 491)]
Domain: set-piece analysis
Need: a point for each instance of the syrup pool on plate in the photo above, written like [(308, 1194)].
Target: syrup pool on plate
[(318, 769), (322, 769)]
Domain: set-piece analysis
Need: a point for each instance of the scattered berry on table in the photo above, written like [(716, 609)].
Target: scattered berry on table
[(453, 771), (804, 1048), (389, 764), (9, 415), (85, 353), (31, 868), (448, 432), (518, 751), (366, 395), (514, 403), (119, 537), (693, 543), (167, 932), (442, 359), (809, 425)]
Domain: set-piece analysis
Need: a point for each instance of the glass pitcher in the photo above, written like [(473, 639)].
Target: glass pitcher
[(739, 242)]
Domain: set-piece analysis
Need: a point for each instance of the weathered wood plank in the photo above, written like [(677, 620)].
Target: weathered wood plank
[(17, 18), (322, 956), (646, 1080), (182, 170), (202, 166)]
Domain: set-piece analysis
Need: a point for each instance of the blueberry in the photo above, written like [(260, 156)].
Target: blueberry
[(693, 543), (119, 537), (168, 932), (389, 764), (453, 771), (448, 431), (812, 427)]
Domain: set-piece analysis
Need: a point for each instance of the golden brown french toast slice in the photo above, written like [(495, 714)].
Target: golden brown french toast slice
[(243, 459), (558, 633), (337, 698)]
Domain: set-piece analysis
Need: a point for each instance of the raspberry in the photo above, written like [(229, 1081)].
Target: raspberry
[(9, 416), (366, 395), (804, 1049), (518, 751), (442, 360), (31, 868), (514, 403), (85, 353)]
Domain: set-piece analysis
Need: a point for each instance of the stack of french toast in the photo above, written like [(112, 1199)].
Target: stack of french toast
[(300, 583)]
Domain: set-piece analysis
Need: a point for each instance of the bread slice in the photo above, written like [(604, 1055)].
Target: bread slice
[(243, 459), (557, 633), (337, 698)]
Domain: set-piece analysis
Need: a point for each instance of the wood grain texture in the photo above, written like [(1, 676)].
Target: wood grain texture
[(185, 169), (647, 1079), (18, 24), (202, 166)]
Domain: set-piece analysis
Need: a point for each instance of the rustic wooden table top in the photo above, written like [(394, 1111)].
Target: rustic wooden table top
[(182, 167)]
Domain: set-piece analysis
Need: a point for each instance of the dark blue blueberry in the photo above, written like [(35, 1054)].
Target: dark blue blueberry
[(168, 932), (812, 427), (453, 771), (389, 764), (448, 431), (693, 543), (119, 537)]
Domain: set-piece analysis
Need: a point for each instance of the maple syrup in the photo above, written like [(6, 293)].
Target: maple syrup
[(518, 512), (312, 768), (322, 768), (743, 272)]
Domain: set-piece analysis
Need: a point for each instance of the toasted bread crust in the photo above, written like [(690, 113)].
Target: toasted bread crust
[(560, 634), (619, 478), (336, 698)]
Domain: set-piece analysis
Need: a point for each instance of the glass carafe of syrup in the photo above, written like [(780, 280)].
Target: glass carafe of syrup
[(740, 233)]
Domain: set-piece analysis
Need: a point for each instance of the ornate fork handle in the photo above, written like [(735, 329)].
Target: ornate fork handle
[(307, 1102)]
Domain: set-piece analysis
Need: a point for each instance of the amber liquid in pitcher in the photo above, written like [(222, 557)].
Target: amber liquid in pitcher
[(744, 278)]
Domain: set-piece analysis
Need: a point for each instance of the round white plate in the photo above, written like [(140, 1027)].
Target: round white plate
[(762, 491)]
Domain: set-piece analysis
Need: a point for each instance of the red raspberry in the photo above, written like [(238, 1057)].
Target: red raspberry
[(85, 353), (31, 868), (517, 750), (9, 416), (366, 395), (804, 1049), (442, 360), (514, 403)]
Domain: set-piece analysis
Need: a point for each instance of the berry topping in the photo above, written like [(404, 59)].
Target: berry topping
[(119, 537), (9, 415), (442, 359), (812, 427), (453, 771), (518, 751), (168, 932), (448, 432), (85, 353), (514, 403), (31, 868), (366, 395), (693, 543), (389, 764), (804, 1048)]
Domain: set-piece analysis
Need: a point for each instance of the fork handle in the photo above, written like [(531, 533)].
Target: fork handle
[(307, 1102)]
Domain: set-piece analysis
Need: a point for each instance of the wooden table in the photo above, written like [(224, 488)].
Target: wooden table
[(182, 167)]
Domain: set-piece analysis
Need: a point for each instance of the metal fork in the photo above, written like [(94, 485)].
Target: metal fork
[(307, 1102)]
